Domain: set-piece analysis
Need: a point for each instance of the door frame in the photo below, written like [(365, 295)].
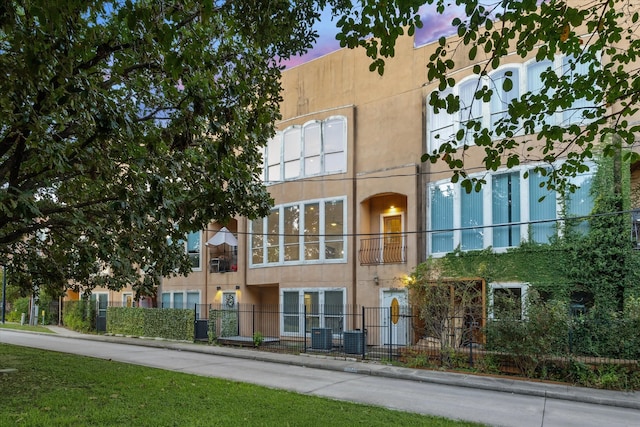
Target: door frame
[(400, 333)]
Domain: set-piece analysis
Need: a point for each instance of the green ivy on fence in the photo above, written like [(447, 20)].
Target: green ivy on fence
[(168, 323)]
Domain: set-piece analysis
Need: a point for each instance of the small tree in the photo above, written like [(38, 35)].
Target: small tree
[(447, 308)]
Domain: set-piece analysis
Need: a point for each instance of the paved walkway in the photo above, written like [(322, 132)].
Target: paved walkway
[(501, 384)]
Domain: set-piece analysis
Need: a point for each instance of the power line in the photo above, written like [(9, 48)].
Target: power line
[(571, 219)]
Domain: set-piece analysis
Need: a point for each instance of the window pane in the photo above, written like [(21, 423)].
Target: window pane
[(471, 215), (257, 241), (580, 106), (441, 125), (178, 300), (312, 306), (334, 144), (291, 308), (291, 233), (311, 231), (442, 217), (274, 158), (541, 210), (290, 302), (333, 302), (273, 236), (501, 99), (312, 165), (506, 209), (166, 300), (470, 108), (312, 139), (334, 162), (292, 169), (292, 142), (334, 229), (193, 248), (580, 203), (334, 135), (312, 149), (535, 84)]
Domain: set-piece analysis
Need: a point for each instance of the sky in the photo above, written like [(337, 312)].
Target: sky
[(434, 26)]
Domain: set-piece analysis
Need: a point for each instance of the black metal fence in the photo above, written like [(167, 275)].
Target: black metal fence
[(350, 331), (567, 347)]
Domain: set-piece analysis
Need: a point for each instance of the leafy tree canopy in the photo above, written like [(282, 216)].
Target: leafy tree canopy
[(124, 125)]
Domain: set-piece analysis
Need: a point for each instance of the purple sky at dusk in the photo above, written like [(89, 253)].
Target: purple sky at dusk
[(434, 26)]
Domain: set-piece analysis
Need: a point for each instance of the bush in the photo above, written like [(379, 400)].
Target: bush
[(169, 323), (21, 305), (79, 316), (543, 332)]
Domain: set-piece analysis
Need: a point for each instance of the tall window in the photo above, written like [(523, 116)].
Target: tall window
[(575, 69), (505, 205), (311, 231), (442, 217), (509, 209), (472, 219), (193, 249), (543, 209), (470, 108), (501, 97), (317, 148), (324, 308)]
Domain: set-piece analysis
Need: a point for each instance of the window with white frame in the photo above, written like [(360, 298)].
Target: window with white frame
[(193, 249), (305, 232), (180, 299), (507, 300), (526, 77), (304, 309), (127, 300), (316, 148), (508, 209)]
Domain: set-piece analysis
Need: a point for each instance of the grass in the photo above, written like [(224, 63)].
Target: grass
[(20, 327), (56, 389)]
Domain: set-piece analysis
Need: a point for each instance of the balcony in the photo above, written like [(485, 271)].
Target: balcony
[(388, 249)]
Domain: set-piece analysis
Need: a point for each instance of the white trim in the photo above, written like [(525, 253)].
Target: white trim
[(321, 304), (523, 286), (322, 238)]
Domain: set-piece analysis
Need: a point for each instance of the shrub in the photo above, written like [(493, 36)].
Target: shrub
[(21, 305), (79, 316)]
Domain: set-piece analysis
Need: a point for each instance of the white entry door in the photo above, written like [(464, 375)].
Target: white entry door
[(395, 330)]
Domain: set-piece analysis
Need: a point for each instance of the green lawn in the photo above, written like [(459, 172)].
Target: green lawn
[(42, 388), (19, 327)]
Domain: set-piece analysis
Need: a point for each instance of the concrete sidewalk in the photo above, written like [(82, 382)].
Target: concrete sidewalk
[(566, 392)]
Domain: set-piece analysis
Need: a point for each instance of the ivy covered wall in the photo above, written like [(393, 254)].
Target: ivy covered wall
[(601, 264)]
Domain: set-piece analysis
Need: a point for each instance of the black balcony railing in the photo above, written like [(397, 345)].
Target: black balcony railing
[(387, 249)]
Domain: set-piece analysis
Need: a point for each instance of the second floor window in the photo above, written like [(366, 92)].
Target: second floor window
[(304, 232)]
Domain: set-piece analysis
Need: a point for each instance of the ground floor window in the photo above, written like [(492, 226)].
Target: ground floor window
[(305, 309), (180, 299), (507, 300)]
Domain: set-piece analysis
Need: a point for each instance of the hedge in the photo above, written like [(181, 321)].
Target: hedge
[(169, 323)]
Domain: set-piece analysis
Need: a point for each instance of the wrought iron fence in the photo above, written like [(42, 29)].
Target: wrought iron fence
[(530, 347)]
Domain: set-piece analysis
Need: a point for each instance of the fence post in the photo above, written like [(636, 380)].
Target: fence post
[(195, 322), (253, 320), (364, 332), (390, 336), (471, 344), (304, 328)]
